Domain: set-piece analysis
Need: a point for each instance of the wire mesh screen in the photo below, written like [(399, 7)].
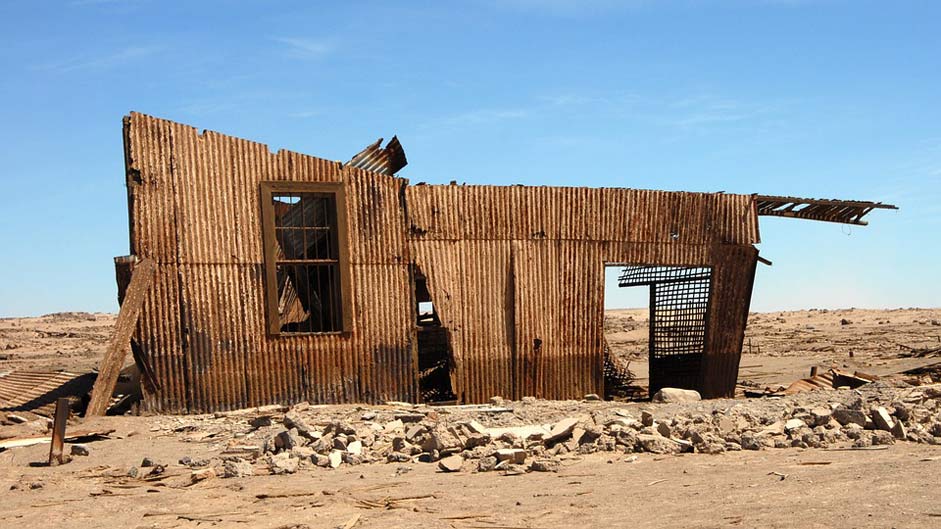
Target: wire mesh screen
[(678, 317), (679, 306), (638, 275)]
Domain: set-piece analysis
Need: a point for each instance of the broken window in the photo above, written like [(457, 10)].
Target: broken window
[(306, 263)]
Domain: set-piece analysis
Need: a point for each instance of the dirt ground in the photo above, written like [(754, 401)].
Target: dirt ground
[(895, 487), (885, 486)]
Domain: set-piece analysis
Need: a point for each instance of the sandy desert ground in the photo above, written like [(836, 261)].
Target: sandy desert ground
[(840, 482)]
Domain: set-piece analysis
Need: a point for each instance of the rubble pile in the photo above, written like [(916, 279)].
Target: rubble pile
[(503, 437)]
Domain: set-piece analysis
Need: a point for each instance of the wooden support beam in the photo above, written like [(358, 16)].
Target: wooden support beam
[(56, 457), (112, 363)]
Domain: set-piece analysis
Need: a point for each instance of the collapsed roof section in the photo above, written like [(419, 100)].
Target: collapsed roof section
[(828, 210), (387, 161)]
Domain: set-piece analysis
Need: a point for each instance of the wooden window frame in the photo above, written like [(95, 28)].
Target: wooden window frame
[(269, 239)]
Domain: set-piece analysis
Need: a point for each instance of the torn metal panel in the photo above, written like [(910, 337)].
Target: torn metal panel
[(387, 161), (828, 210)]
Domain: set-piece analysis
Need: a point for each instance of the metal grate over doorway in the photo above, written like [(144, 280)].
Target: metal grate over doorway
[(679, 308)]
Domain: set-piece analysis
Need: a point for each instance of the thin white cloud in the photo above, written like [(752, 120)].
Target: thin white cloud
[(307, 48), (103, 62)]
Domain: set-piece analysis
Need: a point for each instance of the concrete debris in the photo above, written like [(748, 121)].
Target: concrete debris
[(237, 468), (561, 430), (202, 474), (670, 395), (539, 436), (282, 463), (451, 464)]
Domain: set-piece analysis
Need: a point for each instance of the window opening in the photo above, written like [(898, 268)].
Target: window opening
[(305, 258)]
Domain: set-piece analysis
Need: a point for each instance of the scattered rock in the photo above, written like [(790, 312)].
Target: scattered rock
[(283, 463), (202, 475), (79, 450), (513, 455), (147, 462), (676, 395), (881, 419), (451, 464), (237, 468), (846, 416), (335, 458), (486, 464), (561, 430), (544, 465)]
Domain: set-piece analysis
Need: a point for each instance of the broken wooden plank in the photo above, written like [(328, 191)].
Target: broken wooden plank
[(141, 279), (58, 431)]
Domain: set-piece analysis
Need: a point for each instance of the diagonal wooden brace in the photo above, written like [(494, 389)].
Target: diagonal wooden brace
[(112, 363)]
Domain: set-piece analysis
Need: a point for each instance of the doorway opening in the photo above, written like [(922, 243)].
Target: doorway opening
[(626, 337), (677, 321), (435, 358)]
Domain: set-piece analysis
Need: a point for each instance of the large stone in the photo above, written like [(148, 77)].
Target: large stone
[(294, 421), (821, 415), (881, 419), (794, 424), (202, 474), (561, 430), (355, 448), (486, 464), (544, 465), (513, 455), (646, 418), (283, 463), (237, 468), (335, 458), (286, 440), (475, 427), (676, 395), (882, 437), (451, 464), (846, 416), (656, 444), (534, 432), (79, 450)]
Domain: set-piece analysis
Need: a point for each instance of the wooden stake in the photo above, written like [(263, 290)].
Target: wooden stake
[(58, 431)]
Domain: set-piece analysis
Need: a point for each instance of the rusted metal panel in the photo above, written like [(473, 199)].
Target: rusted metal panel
[(571, 213), (37, 391), (733, 277), (387, 161), (194, 208)]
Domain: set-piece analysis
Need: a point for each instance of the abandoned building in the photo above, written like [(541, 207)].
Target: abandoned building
[(278, 278)]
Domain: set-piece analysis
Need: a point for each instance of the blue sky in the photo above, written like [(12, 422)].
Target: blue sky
[(823, 98)]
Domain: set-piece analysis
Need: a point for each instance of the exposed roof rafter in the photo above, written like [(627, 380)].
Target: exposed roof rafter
[(827, 210)]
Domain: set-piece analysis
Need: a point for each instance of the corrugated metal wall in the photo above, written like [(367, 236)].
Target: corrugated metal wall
[(194, 208), (516, 275)]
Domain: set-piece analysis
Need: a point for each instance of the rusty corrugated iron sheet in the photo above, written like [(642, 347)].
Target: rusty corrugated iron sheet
[(37, 391), (599, 214), (387, 161), (194, 208)]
